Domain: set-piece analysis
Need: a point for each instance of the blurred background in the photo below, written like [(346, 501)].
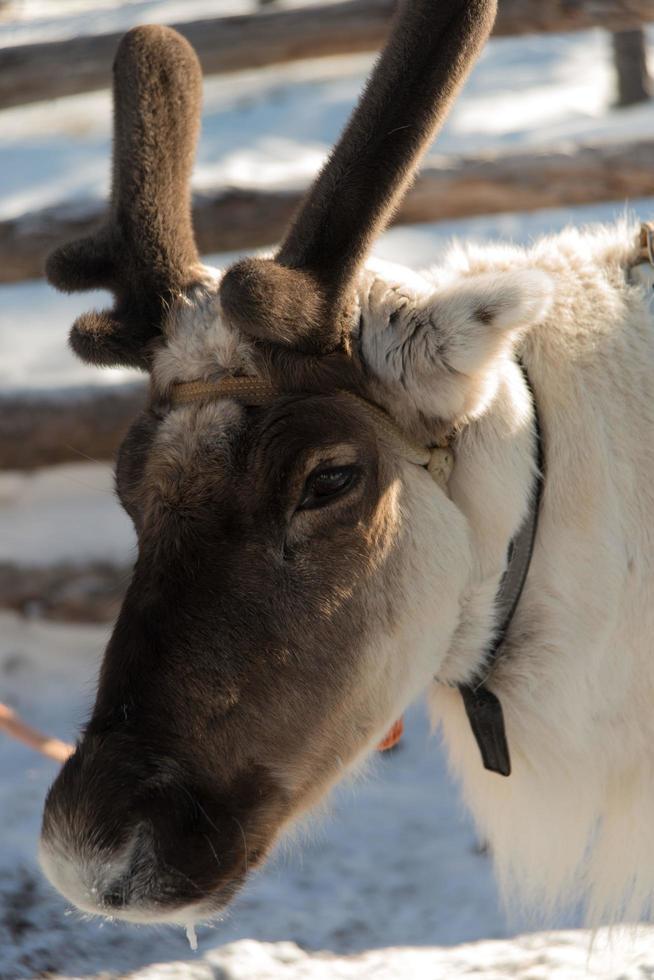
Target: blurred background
[(555, 127)]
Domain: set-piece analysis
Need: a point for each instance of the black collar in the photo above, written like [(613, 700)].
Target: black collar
[(483, 708)]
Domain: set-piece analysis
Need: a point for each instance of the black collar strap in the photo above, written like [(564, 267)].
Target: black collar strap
[(483, 708)]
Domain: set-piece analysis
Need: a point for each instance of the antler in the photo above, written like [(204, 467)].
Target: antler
[(299, 298), (145, 253)]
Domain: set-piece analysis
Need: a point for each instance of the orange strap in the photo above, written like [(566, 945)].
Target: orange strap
[(393, 736), (15, 728), (252, 391)]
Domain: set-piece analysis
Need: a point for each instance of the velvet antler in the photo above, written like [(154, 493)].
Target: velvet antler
[(145, 253), (299, 298)]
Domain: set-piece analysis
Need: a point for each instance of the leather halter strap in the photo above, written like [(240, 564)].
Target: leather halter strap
[(256, 391), (641, 272), (248, 390)]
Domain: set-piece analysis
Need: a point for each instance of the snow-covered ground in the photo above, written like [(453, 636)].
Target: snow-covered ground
[(37, 21), (545, 956), (391, 879)]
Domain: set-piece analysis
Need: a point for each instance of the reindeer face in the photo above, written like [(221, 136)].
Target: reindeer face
[(298, 577), (273, 629)]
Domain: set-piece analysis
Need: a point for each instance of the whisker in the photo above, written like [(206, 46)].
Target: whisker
[(87, 486), (212, 848), (202, 810), (78, 452), (245, 842)]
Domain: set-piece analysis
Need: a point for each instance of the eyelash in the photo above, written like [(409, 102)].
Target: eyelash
[(312, 500)]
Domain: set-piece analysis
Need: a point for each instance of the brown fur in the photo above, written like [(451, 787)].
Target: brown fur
[(145, 253), (275, 304), (224, 669)]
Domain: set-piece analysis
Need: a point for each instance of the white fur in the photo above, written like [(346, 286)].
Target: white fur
[(200, 344), (577, 681)]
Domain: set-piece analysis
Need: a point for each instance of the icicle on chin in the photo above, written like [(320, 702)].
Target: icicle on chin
[(192, 936)]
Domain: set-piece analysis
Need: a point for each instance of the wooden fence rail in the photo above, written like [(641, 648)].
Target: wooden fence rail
[(39, 428), (233, 220), (32, 72)]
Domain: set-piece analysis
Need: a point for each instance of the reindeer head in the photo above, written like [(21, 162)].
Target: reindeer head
[(299, 572)]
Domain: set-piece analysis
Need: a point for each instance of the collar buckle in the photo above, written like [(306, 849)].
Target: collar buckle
[(486, 718)]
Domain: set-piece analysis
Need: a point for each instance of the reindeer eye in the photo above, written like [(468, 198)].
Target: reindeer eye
[(325, 484)]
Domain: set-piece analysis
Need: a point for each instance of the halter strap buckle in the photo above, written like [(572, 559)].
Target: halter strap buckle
[(647, 242)]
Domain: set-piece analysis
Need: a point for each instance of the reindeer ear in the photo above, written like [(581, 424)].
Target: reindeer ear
[(443, 346)]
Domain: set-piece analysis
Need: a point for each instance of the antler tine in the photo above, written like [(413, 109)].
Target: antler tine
[(299, 298), (145, 253)]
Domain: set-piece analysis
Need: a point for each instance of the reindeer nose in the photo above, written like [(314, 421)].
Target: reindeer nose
[(115, 898), (120, 841), (97, 842), (128, 882), (102, 881)]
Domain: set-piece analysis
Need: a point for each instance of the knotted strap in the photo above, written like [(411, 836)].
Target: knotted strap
[(647, 242), (255, 391)]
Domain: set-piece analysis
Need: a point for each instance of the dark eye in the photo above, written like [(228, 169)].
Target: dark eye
[(325, 484)]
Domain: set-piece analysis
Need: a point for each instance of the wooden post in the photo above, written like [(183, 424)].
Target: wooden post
[(39, 428), (630, 60)]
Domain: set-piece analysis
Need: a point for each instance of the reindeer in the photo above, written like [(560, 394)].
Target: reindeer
[(354, 484)]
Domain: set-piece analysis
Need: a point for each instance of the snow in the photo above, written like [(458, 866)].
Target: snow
[(555, 956), (38, 21), (390, 880), (63, 514)]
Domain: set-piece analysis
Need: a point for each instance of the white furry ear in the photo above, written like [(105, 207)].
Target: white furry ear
[(443, 348)]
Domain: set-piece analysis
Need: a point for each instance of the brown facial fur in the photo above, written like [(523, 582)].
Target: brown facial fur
[(234, 675)]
